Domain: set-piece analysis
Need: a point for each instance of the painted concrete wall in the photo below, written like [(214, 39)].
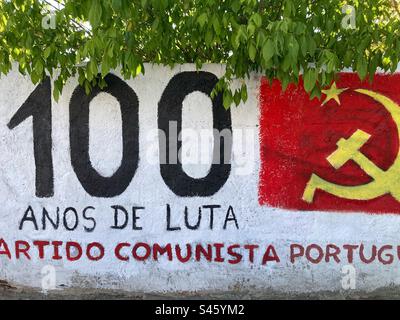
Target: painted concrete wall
[(243, 221)]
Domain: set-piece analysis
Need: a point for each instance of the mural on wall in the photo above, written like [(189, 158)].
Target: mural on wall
[(149, 184), (341, 153)]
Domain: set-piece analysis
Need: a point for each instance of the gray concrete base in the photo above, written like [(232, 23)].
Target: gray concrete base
[(13, 292)]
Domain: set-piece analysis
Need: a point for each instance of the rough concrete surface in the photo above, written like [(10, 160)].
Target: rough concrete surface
[(11, 292)]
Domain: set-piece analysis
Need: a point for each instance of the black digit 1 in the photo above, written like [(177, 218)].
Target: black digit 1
[(38, 106), (95, 184), (170, 109)]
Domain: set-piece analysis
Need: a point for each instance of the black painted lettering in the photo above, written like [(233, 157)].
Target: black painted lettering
[(38, 106), (95, 184), (170, 110)]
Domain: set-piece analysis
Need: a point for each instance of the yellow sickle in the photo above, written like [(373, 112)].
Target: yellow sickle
[(384, 182)]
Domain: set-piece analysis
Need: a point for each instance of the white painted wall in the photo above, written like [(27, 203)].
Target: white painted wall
[(258, 224)]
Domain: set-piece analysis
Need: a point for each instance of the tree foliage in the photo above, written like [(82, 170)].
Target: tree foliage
[(277, 38)]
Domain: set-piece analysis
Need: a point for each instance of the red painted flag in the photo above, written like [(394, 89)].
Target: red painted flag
[(339, 153)]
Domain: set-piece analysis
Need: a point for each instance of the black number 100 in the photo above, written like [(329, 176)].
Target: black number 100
[(38, 106)]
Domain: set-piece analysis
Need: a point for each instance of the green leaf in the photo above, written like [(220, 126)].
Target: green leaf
[(202, 19), (244, 92), (257, 19), (93, 68), (251, 28), (285, 82), (47, 52), (95, 13), (260, 38), (310, 78), (88, 87), (105, 67), (362, 67), (287, 62), (293, 46), (312, 46), (252, 51), (216, 25), (117, 5), (227, 99), (237, 97), (209, 37), (235, 5), (38, 67), (56, 94), (315, 93), (138, 70), (268, 50)]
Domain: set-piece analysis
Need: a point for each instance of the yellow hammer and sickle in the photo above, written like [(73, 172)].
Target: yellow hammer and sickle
[(384, 182)]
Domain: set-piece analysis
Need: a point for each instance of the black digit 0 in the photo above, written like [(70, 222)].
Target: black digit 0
[(38, 106), (170, 109), (95, 184)]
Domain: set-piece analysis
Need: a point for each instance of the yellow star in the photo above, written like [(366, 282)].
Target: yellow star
[(333, 93)]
